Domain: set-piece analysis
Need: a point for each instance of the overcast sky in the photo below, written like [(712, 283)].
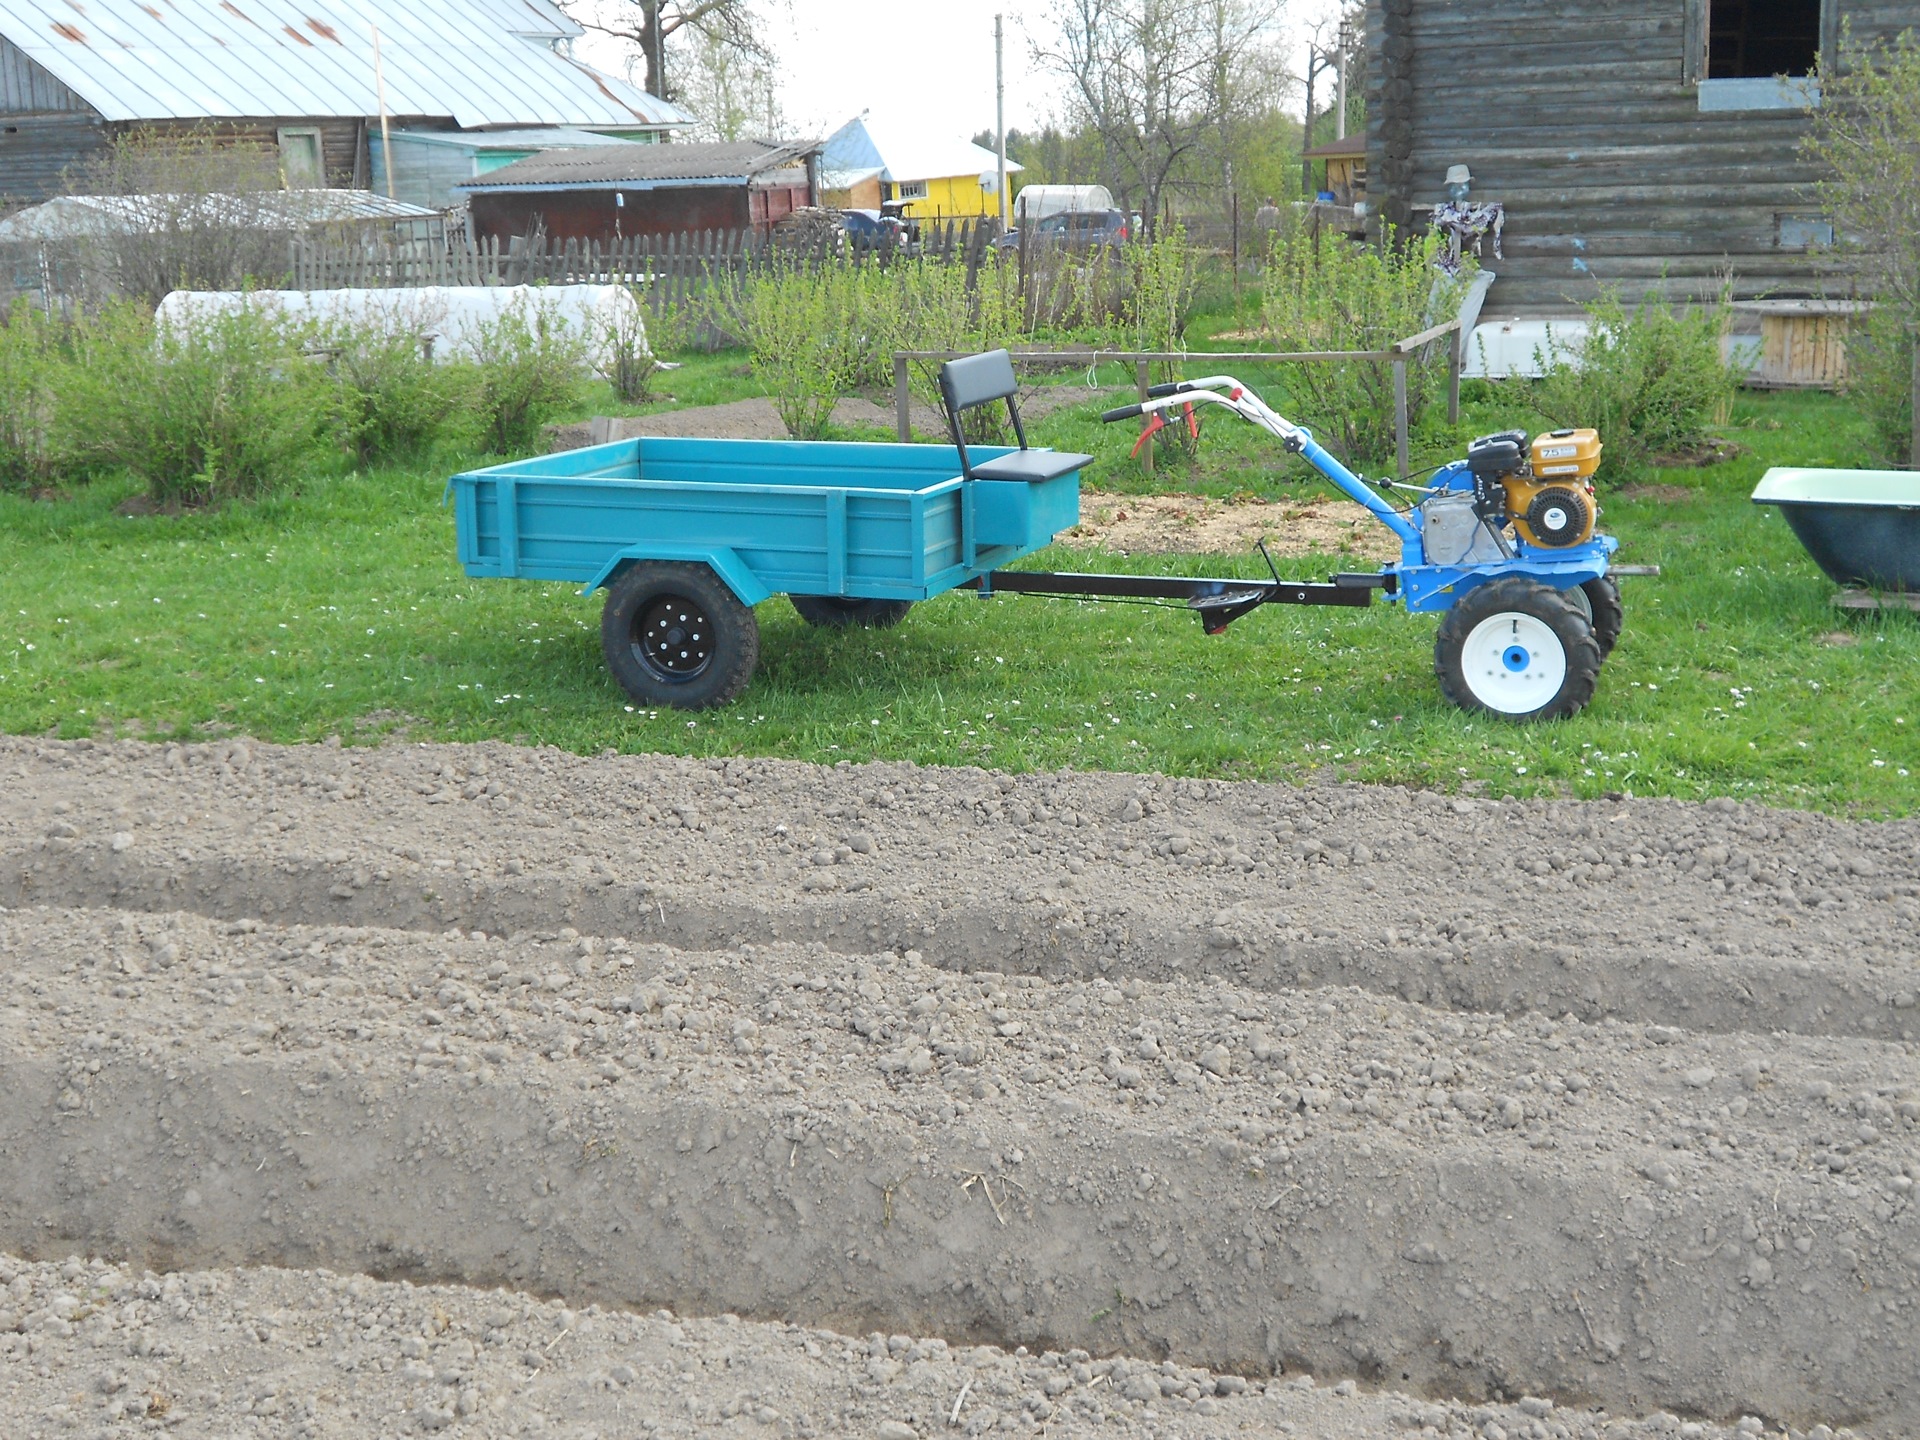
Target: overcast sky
[(924, 66)]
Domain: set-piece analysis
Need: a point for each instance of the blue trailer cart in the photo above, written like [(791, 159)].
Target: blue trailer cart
[(687, 536)]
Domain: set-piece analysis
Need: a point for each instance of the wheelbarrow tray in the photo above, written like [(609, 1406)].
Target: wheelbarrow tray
[(1862, 527), (870, 521)]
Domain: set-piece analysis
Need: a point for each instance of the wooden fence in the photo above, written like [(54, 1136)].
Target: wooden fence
[(668, 271)]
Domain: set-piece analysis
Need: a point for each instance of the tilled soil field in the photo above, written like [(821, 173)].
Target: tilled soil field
[(499, 1092)]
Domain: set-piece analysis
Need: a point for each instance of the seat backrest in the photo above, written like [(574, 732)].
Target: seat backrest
[(978, 380)]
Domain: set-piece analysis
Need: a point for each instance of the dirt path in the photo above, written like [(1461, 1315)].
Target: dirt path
[(1611, 1104)]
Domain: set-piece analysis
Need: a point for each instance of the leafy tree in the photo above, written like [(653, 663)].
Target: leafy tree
[(1866, 136)]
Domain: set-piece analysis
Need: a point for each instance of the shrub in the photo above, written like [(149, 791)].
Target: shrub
[(229, 405), (1345, 297), (628, 362), (529, 362), (1880, 381), (814, 331), (394, 403), (29, 354), (1651, 380), (1866, 141)]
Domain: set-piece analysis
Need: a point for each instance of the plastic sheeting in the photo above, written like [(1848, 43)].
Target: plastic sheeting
[(449, 315)]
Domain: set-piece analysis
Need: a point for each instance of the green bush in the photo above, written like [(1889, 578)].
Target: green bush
[(628, 362), (529, 362), (1880, 381), (1336, 296), (1652, 380), (227, 405), (814, 332), (393, 401), (29, 357)]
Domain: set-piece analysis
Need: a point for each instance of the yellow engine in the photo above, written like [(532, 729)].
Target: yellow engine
[(1548, 486)]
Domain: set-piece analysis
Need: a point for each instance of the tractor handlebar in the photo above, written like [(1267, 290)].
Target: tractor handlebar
[(1125, 412)]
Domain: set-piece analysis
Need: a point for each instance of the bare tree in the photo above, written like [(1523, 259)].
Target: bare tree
[(648, 25), (181, 210), (1161, 83)]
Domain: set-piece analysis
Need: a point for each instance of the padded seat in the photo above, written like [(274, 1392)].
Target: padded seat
[(981, 380), (1033, 466)]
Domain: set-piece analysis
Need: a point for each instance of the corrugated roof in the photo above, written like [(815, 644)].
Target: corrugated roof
[(643, 166), (73, 215), (539, 137), (1353, 147), (481, 62)]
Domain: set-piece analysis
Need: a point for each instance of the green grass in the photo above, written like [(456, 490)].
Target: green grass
[(337, 608)]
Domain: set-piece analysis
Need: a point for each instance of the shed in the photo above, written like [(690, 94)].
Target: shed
[(428, 165), (1649, 144), (293, 74), (609, 192)]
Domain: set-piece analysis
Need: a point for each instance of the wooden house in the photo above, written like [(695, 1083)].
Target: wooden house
[(293, 75), (614, 191), (944, 180), (1648, 144)]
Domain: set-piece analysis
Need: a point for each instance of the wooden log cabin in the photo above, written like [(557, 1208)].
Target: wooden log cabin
[(1648, 144)]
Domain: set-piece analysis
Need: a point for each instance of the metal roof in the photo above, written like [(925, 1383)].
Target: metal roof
[(644, 167), (861, 144), (74, 215), (482, 62), (540, 137)]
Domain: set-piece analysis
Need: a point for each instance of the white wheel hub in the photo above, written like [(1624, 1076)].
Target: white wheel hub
[(1513, 663)]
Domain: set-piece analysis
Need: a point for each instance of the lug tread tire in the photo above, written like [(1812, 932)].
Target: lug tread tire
[(1609, 615), (1554, 609), (736, 635), (835, 612)]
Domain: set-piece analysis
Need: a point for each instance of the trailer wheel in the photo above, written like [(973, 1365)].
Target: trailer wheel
[(835, 612), (1517, 649), (676, 634)]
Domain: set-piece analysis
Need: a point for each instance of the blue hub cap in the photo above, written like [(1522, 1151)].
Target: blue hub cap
[(1516, 658)]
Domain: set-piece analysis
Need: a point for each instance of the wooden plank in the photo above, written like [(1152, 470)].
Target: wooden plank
[(1867, 600)]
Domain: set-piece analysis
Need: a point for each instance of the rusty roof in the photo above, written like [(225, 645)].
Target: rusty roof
[(480, 62)]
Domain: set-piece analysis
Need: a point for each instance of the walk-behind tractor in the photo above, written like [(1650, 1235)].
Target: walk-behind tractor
[(1502, 541), (687, 536)]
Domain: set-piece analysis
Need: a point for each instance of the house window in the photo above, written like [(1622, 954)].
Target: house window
[(302, 162), (1758, 39), (911, 190)]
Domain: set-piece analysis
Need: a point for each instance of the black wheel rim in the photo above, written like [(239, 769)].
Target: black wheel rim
[(673, 638)]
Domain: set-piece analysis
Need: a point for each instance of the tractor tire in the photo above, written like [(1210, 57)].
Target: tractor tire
[(1605, 613), (675, 634), (1519, 650), (836, 612)]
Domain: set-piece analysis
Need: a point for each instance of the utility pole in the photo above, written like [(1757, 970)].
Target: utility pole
[(1000, 119), (1340, 84), (386, 134), (1317, 60)]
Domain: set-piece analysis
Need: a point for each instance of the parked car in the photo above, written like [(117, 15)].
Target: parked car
[(1073, 229), (870, 230)]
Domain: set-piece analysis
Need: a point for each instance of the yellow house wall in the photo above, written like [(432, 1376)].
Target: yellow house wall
[(954, 197)]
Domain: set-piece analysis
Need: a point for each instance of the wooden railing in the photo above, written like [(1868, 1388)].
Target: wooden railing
[(1397, 354)]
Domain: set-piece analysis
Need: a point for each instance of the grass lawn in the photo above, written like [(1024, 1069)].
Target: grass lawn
[(337, 608)]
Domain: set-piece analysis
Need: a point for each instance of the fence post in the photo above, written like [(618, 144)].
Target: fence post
[(1913, 450), (1141, 380), (1457, 344), (1400, 413), (902, 422)]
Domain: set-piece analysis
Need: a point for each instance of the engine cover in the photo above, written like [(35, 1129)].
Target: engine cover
[(1552, 515)]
